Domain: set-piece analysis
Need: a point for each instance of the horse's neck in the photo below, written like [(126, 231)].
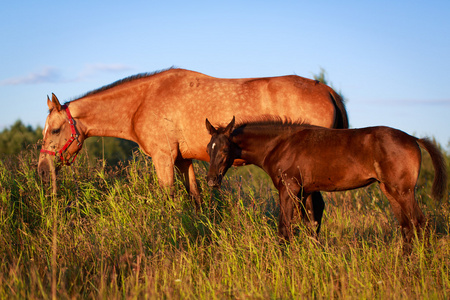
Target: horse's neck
[(103, 117)]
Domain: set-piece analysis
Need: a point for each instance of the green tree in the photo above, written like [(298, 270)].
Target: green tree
[(322, 77), (113, 150), (18, 137)]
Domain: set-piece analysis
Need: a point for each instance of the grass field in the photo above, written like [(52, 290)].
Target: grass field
[(111, 233)]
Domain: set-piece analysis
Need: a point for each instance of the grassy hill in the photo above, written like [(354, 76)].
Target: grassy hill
[(112, 233)]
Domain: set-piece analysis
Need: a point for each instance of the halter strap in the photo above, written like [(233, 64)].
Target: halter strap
[(74, 136)]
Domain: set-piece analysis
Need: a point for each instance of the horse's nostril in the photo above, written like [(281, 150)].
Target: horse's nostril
[(43, 175), (44, 172), (214, 181)]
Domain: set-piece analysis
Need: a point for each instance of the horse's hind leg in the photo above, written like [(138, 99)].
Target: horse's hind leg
[(406, 210)]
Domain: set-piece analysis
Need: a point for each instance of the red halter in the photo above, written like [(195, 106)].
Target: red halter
[(74, 136)]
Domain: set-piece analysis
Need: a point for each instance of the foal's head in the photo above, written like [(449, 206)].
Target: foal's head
[(222, 152)]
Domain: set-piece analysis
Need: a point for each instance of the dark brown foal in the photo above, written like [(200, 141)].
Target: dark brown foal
[(302, 159)]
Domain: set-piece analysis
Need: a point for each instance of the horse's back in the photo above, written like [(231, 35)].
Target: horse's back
[(184, 90), (178, 101)]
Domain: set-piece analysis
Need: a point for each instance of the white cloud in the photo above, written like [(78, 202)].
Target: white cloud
[(91, 69), (53, 75), (411, 101), (48, 74)]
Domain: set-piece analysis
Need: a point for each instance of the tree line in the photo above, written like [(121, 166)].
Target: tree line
[(19, 137)]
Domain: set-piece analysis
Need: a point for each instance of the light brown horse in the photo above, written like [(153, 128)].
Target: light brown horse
[(302, 159), (164, 114)]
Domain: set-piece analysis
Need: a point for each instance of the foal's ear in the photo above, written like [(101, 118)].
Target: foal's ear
[(227, 131), (210, 128), (54, 103)]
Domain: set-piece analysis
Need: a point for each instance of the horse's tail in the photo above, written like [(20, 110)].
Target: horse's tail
[(341, 113), (440, 168)]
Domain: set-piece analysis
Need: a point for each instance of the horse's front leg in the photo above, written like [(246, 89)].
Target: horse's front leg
[(164, 167), (186, 169)]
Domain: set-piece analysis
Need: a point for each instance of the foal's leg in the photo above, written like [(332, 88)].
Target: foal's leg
[(406, 210), (287, 208), (186, 169), (313, 211)]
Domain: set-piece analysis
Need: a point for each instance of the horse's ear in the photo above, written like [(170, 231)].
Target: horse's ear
[(49, 103), (210, 128), (54, 103), (229, 127)]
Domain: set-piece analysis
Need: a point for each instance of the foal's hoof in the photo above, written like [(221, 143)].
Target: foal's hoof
[(407, 248), (69, 206), (283, 241)]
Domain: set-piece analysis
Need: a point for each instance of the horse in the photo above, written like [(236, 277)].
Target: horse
[(164, 112), (302, 159)]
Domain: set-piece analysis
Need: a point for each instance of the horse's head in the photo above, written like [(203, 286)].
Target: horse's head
[(222, 152), (61, 140)]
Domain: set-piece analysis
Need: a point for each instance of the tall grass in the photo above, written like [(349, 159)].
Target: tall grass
[(112, 233)]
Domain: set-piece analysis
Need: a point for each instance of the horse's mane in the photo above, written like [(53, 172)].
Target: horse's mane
[(122, 81)]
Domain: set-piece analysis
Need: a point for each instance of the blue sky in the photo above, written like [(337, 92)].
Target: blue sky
[(390, 59)]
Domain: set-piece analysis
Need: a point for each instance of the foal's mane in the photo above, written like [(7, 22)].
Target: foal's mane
[(269, 120), (122, 81), (268, 123)]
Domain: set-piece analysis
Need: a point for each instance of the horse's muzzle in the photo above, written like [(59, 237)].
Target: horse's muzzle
[(45, 170)]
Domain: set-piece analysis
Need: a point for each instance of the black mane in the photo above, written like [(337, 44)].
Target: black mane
[(267, 123), (269, 120)]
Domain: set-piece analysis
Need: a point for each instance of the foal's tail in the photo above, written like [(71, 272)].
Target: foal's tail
[(440, 168)]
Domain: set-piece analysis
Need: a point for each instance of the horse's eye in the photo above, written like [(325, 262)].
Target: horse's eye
[(56, 131)]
